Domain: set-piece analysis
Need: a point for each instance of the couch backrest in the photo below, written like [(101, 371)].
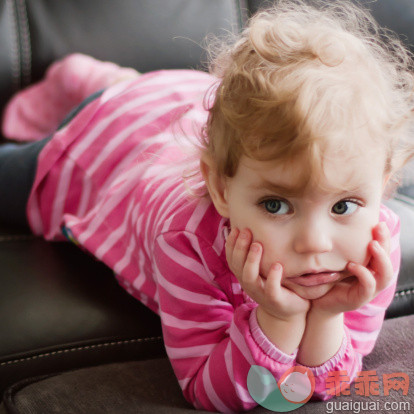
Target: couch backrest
[(144, 34)]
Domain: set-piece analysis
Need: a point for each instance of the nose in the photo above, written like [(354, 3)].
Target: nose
[(312, 236)]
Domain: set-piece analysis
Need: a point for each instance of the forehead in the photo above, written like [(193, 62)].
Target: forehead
[(333, 173)]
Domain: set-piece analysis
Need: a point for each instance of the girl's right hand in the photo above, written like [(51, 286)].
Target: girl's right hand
[(243, 258)]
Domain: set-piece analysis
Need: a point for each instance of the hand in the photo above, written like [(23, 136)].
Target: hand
[(243, 258), (367, 281)]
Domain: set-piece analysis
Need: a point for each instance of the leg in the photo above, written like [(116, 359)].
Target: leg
[(36, 111), (17, 172), (18, 164)]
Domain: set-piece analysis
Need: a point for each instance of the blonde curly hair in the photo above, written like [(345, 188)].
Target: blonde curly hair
[(302, 76)]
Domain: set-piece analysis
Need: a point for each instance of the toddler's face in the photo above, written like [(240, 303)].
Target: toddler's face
[(314, 231)]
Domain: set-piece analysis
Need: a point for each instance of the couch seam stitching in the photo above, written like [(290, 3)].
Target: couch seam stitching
[(244, 13), (15, 49), (25, 42), (404, 292), (80, 348)]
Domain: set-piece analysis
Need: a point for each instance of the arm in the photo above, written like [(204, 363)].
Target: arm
[(284, 333), (211, 341), (322, 339), (281, 313), (360, 332)]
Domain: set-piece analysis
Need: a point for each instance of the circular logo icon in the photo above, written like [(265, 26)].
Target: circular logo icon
[(294, 388)]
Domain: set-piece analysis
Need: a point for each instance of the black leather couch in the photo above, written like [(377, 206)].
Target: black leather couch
[(71, 339)]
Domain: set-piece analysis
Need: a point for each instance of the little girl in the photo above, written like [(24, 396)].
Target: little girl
[(243, 206)]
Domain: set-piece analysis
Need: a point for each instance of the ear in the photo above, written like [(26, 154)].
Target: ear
[(216, 185)]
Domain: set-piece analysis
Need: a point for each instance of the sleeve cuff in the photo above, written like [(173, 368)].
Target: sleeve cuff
[(269, 348), (331, 363)]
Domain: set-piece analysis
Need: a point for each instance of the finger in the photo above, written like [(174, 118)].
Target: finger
[(273, 282), (230, 243), (381, 265), (365, 278), (251, 279), (382, 234), (241, 249)]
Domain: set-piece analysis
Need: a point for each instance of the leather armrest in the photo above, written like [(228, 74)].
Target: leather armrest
[(403, 303), (61, 309)]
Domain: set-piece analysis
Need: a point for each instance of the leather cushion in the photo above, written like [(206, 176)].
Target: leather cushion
[(150, 386)]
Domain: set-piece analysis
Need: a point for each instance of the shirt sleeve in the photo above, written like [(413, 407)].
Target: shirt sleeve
[(211, 344), (362, 326)]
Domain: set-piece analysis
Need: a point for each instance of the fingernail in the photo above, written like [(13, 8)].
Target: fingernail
[(226, 233), (243, 234), (351, 264), (277, 267), (254, 248)]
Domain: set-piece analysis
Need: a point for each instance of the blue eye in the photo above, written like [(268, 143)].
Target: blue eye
[(275, 206), (345, 207)]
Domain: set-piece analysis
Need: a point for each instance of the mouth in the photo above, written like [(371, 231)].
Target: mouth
[(315, 278)]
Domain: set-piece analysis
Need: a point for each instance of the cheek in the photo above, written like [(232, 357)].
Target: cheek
[(274, 249), (354, 243)]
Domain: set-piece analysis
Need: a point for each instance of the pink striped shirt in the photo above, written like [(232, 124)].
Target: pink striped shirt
[(111, 181)]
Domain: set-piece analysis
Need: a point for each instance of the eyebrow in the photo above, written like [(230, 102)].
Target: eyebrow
[(277, 188), (294, 190)]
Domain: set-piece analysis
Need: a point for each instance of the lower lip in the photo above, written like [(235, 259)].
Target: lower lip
[(315, 279)]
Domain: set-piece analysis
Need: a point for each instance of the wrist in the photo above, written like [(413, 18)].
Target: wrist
[(290, 319), (284, 333), (323, 313), (322, 338)]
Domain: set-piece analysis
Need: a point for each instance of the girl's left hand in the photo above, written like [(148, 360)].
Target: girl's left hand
[(367, 281)]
